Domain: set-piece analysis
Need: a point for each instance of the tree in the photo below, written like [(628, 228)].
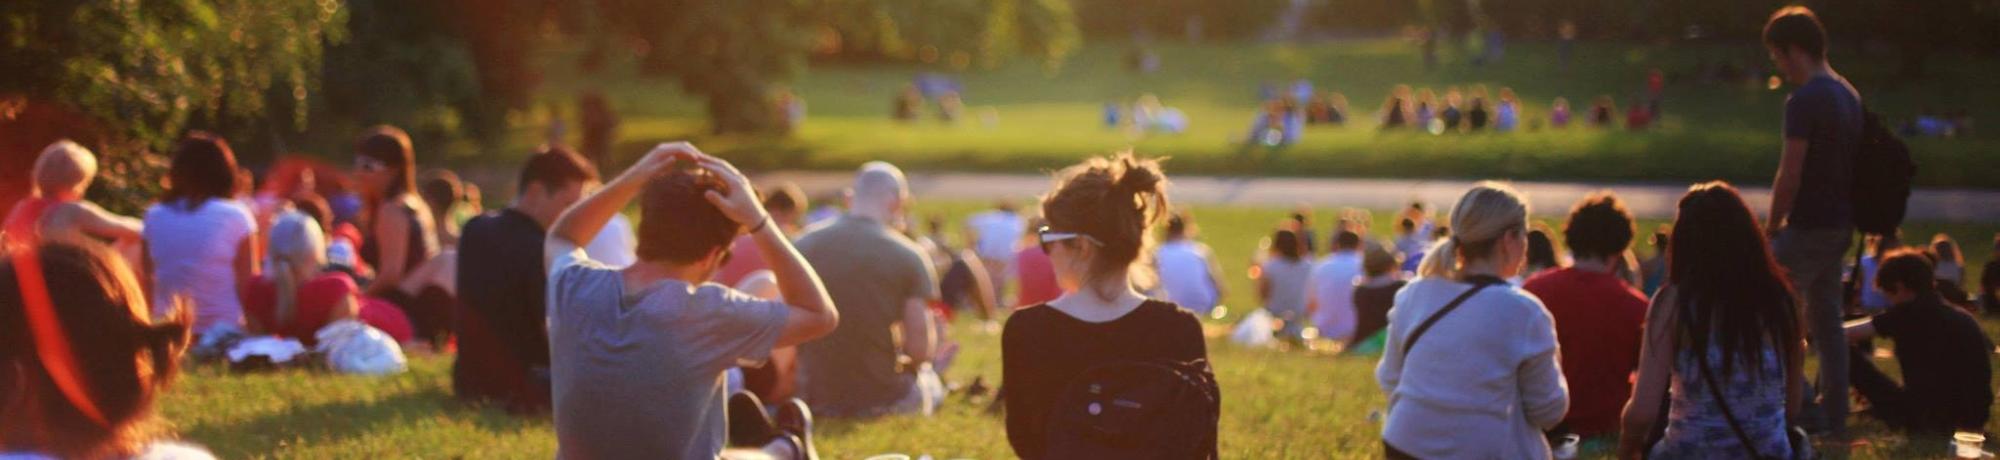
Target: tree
[(143, 72)]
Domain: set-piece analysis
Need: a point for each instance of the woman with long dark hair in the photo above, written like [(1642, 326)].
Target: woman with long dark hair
[(401, 233), (1724, 333), (200, 244)]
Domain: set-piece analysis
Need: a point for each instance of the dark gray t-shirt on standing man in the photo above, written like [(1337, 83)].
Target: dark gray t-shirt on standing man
[(1826, 112)]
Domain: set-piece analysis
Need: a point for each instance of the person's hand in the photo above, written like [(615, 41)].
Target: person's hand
[(662, 159), (737, 200)]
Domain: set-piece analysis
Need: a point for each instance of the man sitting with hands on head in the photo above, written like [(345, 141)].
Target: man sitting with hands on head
[(638, 354), (1941, 350)]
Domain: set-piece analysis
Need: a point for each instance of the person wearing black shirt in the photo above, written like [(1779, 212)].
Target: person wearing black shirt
[(1989, 281), (503, 348), (1941, 350), (1098, 217)]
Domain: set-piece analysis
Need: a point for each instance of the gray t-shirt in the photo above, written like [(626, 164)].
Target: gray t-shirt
[(870, 272), (638, 373)]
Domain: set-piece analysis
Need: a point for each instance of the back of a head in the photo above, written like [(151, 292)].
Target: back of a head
[(1485, 214), (677, 224), (391, 146), (1114, 200), (315, 206), (204, 168), (554, 168), (784, 197), (1541, 249), (1906, 269), (441, 189), (64, 167), (1946, 249), (879, 186), (1722, 269), (1378, 259), (1177, 225), (1796, 27), (1286, 243), (296, 238), (1599, 227), (1345, 239), (116, 363)]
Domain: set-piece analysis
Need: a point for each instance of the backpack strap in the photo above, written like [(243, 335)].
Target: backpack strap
[(1479, 284), (1701, 361)]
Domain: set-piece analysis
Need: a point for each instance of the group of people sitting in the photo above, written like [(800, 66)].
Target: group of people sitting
[(630, 349)]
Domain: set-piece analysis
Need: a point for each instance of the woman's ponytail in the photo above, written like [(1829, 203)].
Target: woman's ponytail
[(1481, 218)]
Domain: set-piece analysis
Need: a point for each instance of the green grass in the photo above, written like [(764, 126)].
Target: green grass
[(1046, 117), (1276, 404)]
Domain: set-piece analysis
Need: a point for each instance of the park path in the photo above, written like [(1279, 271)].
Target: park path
[(1649, 201)]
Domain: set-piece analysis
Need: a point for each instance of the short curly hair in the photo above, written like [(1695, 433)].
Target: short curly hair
[(1599, 226)]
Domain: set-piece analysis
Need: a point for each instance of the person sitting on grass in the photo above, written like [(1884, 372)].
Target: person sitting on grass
[(1187, 267), (1282, 283), (1374, 294), (299, 294), (1099, 218), (503, 349), (1598, 317), (637, 354), (884, 283), (81, 362), (1941, 350), (56, 207), (1330, 299), (1484, 381)]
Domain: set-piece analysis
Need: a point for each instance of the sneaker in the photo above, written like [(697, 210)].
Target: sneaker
[(795, 419)]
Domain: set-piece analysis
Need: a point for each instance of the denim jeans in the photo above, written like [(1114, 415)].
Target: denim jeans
[(1813, 259)]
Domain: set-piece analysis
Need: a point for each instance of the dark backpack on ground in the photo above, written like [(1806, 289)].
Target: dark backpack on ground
[(1139, 410), (1883, 171)]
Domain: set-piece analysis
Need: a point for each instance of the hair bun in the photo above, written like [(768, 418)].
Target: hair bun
[(1138, 176)]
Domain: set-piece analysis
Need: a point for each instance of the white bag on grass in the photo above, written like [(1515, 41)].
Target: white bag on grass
[(1255, 330), (352, 347)]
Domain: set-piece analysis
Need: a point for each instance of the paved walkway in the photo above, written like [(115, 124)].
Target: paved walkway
[(1653, 201)]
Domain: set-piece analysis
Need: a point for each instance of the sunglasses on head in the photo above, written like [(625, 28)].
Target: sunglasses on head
[(1048, 238)]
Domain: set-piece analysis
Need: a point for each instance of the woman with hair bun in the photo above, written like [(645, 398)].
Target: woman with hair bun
[(1470, 361), (1100, 218)]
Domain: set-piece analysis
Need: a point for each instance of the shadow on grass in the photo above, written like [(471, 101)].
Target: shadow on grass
[(334, 422)]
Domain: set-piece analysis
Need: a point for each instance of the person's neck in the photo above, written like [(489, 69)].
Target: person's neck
[(880, 216), (543, 220), (1480, 268), (1089, 304), (649, 272), (1594, 265)]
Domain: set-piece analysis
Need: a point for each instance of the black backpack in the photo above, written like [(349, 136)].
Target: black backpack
[(1883, 171), (1137, 409)]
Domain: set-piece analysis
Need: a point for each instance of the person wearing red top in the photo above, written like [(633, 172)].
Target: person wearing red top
[(317, 296), (1036, 275), (1598, 316)]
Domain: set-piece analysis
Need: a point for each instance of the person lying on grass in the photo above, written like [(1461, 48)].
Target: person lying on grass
[(637, 354)]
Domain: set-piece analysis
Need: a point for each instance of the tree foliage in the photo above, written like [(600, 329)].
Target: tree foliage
[(143, 72)]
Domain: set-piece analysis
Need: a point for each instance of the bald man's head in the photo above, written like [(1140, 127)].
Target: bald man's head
[(64, 168), (879, 190)]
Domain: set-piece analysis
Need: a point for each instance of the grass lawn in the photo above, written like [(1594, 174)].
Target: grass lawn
[(1277, 404), (1042, 117)]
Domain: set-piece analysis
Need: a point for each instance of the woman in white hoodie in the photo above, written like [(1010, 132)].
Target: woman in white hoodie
[(1479, 378)]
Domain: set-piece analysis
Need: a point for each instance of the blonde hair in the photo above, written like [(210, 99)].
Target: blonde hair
[(1485, 214), (295, 240), (64, 166)]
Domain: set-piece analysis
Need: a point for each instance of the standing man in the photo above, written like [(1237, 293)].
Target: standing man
[(883, 282), (503, 350), (1811, 221)]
